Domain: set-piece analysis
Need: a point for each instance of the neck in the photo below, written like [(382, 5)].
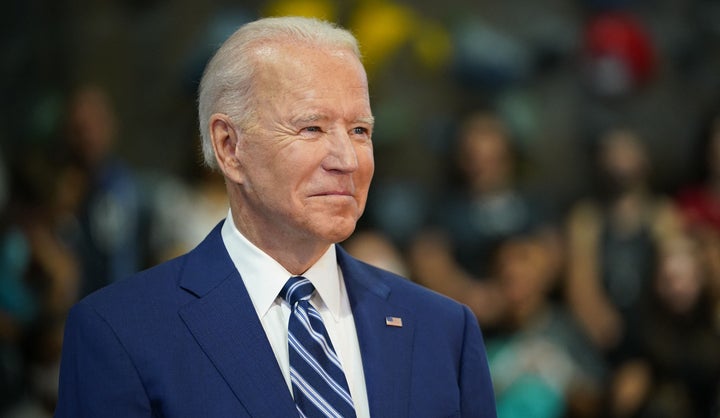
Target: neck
[(295, 259)]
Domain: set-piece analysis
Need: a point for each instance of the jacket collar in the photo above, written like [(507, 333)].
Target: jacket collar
[(225, 325), (386, 350)]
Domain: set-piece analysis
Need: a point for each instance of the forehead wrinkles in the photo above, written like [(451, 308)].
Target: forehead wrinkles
[(310, 75), (293, 77), (272, 57)]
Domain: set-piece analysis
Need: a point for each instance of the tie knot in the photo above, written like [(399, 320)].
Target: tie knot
[(296, 289)]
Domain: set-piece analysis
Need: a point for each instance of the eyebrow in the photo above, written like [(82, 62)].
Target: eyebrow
[(369, 120), (315, 117)]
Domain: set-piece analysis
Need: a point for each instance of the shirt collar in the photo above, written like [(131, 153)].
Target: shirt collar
[(264, 277)]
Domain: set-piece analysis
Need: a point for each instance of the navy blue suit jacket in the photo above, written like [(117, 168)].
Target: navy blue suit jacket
[(183, 340)]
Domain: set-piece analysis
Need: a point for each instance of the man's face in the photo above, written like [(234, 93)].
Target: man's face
[(306, 159)]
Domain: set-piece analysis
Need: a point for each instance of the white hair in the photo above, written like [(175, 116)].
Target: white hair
[(227, 83)]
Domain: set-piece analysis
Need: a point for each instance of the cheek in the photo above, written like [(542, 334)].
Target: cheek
[(362, 179), (366, 165)]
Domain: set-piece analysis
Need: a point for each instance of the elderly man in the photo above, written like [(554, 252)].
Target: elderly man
[(268, 317)]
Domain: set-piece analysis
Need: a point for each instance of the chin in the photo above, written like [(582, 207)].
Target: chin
[(338, 233), (340, 236), (332, 225)]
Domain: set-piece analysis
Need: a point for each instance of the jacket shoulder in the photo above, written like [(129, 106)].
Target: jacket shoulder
[(141, 288), (400, 290)]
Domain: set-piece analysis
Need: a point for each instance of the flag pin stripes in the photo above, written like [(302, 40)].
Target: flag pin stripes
[(393, 321)]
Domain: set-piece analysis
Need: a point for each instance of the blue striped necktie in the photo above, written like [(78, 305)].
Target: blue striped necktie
[(318, 381)]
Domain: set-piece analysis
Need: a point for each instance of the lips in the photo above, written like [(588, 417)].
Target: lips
[(340, 190), (335, 193)]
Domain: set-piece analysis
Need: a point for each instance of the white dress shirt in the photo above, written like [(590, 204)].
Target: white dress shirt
[(264, 278)]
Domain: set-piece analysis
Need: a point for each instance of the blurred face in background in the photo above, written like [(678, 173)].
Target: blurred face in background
[(485, 155), (623, 160), (525, 271), (91, 126), (680, 275)]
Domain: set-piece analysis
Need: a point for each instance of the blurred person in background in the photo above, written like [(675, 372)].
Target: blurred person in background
[(699, 204), (16, 304), (542, 364), (376, 248), (108, 239), (199, 203), (477, 213), (676, 371), (39, 278), (612, 243)]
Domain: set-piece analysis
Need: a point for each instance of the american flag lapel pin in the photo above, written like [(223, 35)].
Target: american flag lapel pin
[(393, 321)]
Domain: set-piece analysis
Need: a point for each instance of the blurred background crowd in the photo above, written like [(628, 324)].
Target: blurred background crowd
[(553, 164)]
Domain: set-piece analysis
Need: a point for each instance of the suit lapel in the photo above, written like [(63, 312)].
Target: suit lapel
[(225, 325), (386, 350)]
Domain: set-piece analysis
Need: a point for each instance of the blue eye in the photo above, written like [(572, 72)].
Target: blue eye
[(313, 129), (360, 130)]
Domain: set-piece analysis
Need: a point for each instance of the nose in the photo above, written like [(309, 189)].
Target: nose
[(342, 155)]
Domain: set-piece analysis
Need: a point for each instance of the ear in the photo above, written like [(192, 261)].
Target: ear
[(224, 138)]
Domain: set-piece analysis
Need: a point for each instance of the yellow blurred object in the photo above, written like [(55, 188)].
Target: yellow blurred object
[(433, 45), (322, 9), (381, 28)]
